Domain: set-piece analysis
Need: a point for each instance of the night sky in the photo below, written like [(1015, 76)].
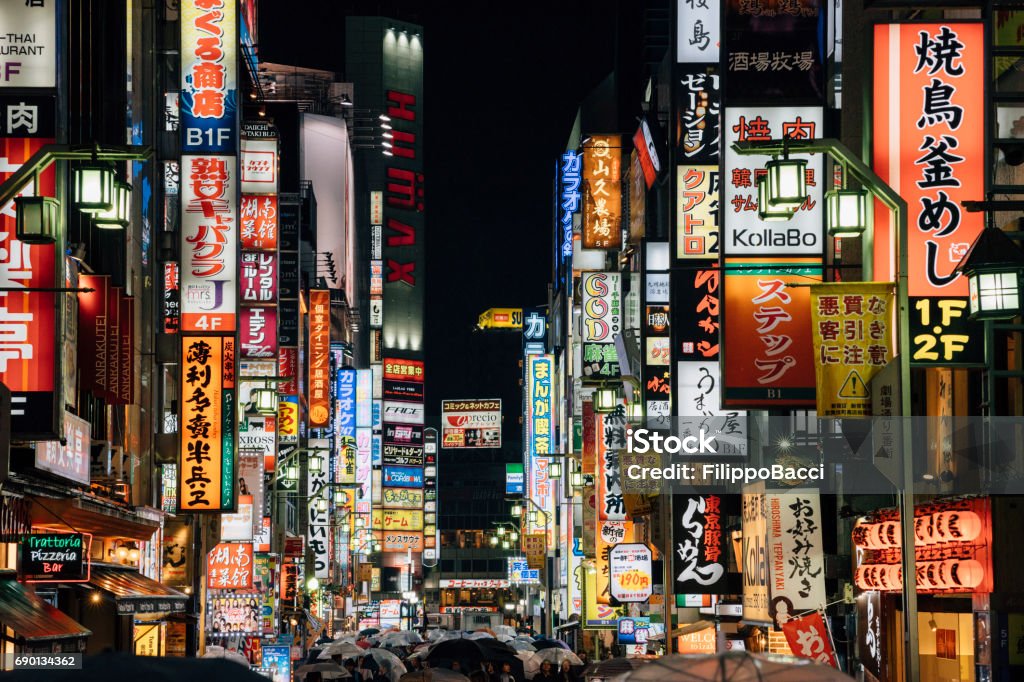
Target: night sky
[(501, 91)]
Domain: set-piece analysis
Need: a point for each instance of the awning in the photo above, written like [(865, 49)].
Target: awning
[(31, 618), (89, 516), (135, 593)]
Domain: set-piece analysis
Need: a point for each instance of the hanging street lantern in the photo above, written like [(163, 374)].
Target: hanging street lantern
[(605, 399), (264, 401), (118, 215), (764, 209), (787, 183), (992, 266), (38, 219), (846, 212), (94, 187)]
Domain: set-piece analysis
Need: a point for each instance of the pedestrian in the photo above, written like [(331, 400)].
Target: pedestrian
[(506, 673), (456, 667), (546, 674), (583, 656), (565, 672), (492, 674), (350, 666)]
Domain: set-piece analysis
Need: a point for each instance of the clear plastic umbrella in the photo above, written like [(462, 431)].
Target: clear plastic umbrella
[(522, 645), (480, 634), (386, 661), (328, 670), (505, 630), (214, 651), (341, 648), (735, 666)]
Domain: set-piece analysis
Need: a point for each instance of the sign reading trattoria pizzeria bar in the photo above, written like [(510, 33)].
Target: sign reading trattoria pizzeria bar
[(54, 557)]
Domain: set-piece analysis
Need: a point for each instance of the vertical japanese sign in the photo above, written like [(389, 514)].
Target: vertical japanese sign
[(206, 478), (259, 278), (317, 536), (209, 247), (700, 541), (808, 637), (258, 332), (928, 144), (796, 556), (744, 233), (611, 440), (774, 49), (209, 90), (540, 433), (92, 338), (571, 168), (28, 320), (698, 115), (755, 558), (601, 320), (767, 348), (345, 424), (602, 192), (697, 234), (853, 340), (698, 31), (319, 358), (258, 215), (609, 534)]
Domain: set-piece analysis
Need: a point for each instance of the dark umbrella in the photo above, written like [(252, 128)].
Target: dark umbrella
[(369, 631), (471, 653), (545, 643), (119, 666)]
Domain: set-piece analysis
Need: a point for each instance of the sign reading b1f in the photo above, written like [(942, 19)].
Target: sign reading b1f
[(209, 65)]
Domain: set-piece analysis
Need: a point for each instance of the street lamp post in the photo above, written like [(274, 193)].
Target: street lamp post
[(895, 203), (532, 511)]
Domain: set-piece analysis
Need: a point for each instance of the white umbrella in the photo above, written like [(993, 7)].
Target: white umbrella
[(736, 666), (214, 651), (480, 635), (505, 630), (556, 655), (388, 662), (436, 635), (340, 648), (520, 645), (328, 670)]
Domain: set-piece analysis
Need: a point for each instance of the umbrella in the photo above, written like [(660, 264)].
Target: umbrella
[(545, 643), (436, 635), (613, 667), (520, 645), (328, 670), (470, 653), (341, 648), (364, 644), (434, 675), (480, 634), (505, 630), (556, 655), (120, 666), (735, 666), (400, 638), (369, 631), (214, 651), (386, 661)]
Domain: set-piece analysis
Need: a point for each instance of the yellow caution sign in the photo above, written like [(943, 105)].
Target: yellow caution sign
[(854, 387)]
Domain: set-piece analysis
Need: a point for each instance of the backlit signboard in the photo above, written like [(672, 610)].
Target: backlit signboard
[(54, 557), (209, 90), (471, 424), (602, 195), (209, 246), (319, 358), (206, 460)]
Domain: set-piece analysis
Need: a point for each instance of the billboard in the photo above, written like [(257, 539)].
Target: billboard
[(28, 359), (602, 192), (209, 65), (258, 216), (631, 573), (853, 340), (207, 455), (257, 334), (701, 542), (471, 423), (698, 114), (258, 278), (744, 233), (403, 477), (229, 566), (697, 234), (698, 31), (797, 585), (768, 354), (601, 320), (319, 358), (514, 479), (30, 57), (259, 167), (318, 528), (928, 144), (754, 516), (209, 244)]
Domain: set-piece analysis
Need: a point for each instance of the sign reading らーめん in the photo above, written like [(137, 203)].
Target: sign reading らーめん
[(54, 557)]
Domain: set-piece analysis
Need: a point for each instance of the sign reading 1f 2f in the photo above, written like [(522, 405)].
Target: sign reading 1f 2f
[(209, 65)]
